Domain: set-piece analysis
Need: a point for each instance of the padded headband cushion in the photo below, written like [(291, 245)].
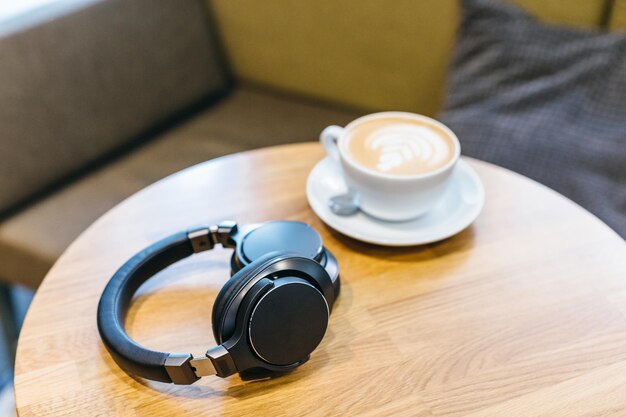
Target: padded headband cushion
[(232, 287), (129, 355)]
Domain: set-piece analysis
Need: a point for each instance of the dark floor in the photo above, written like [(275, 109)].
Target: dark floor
[(19, 301)]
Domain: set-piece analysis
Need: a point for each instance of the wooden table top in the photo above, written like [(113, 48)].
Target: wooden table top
[(523, 313)]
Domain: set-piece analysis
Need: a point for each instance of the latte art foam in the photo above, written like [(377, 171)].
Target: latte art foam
[(400, 146), (406, 144)]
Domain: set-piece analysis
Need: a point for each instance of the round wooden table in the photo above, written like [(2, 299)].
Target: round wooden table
[(523, 313)]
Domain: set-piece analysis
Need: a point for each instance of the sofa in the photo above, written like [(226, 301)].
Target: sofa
[(100, 98)]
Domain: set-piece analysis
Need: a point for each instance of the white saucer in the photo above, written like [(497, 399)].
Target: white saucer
[(460, 206)]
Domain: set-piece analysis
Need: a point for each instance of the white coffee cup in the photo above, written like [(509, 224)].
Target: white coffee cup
[(383, 195)]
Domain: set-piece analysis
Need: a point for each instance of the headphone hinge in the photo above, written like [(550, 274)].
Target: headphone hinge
[(216, 361), (224, 233), (222, 361), (213, 230), (179, 369), (200, 239), (205, 238)]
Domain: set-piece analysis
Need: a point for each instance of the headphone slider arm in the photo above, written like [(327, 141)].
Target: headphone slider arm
[(184, 369), (203, 366)]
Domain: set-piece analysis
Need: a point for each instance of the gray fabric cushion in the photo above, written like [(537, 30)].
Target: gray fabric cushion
[(86, 82), (246, 119), (548, 102)]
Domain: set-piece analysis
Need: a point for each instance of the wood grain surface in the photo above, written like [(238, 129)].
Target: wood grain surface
[(521, 314)]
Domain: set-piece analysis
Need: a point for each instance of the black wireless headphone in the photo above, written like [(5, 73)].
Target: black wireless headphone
[(271, 314)]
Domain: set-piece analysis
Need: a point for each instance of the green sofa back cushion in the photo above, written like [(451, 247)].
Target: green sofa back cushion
[(369, 54)]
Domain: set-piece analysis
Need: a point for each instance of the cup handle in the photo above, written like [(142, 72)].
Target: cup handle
[(329, 138)]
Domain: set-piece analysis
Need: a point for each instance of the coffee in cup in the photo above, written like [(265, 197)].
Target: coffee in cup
[(398, 164), (399, 145)]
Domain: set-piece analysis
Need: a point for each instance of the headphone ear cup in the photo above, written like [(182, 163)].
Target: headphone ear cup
[(230, 289)]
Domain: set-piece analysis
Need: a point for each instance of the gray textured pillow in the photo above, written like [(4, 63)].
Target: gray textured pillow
[(546, 101)]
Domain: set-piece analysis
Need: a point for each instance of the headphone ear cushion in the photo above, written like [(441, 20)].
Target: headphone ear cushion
[(230, 289)]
